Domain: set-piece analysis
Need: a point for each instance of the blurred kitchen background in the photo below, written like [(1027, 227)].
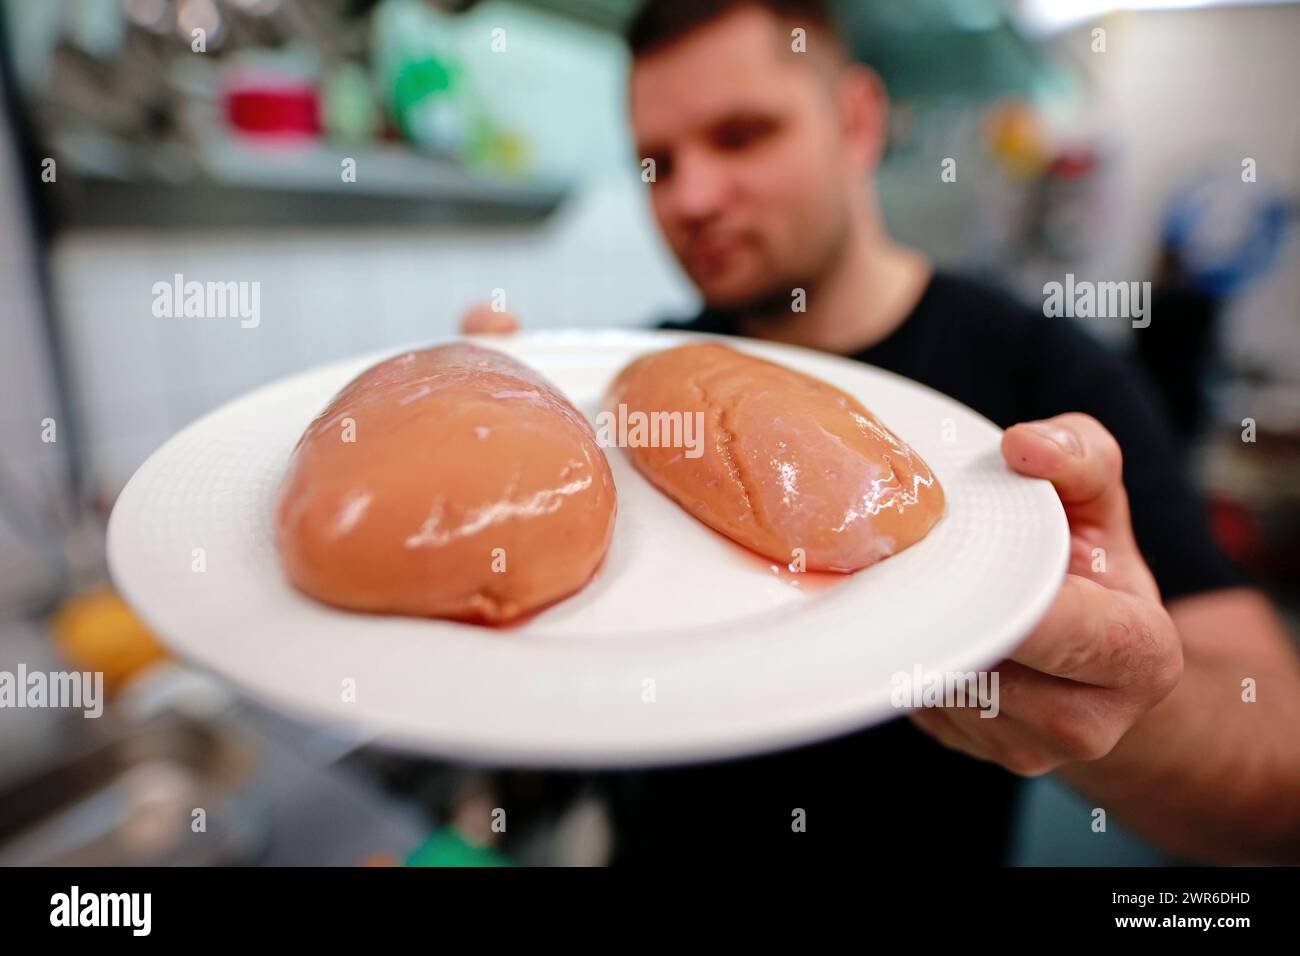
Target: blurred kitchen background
[(490, 150)]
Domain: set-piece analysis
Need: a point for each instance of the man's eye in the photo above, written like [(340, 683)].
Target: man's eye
[(742, 133), (655, 167)]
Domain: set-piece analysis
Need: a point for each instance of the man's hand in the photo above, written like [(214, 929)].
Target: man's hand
[(1106, 652)]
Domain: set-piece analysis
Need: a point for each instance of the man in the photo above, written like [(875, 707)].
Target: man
[(1131, 687)]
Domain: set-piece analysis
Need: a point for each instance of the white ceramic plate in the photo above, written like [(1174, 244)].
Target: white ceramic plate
[(684, 647)]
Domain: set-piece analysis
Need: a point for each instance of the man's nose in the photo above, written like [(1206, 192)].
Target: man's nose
[(699, 188)]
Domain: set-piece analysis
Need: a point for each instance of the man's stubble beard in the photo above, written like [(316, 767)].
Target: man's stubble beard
[(774, 303)]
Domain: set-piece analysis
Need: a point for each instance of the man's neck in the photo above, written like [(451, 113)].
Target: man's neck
[(863, 297)]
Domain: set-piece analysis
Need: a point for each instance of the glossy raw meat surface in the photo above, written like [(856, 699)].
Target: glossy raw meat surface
[(788, 462), (473, 490)]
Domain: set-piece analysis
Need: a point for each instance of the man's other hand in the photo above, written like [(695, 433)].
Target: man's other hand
[(1106, 651)]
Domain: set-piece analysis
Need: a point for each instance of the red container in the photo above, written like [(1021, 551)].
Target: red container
[(274, 111)]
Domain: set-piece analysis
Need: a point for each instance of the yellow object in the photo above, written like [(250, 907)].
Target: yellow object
[(1017, 139), (96, 631)]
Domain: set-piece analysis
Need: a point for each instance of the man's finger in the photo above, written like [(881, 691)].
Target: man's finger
[(1044, 721), (480, 318), (1080, 458), (1104, 637), (939, 725)]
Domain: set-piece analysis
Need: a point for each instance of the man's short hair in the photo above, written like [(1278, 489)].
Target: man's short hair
[(660, 23)]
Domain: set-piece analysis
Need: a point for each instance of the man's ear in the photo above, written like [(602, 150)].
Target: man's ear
[(864, 114)]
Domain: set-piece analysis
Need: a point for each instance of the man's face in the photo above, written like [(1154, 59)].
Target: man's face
[(752, 176)]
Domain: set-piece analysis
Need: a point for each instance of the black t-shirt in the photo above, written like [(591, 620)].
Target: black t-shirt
[(892, 792)]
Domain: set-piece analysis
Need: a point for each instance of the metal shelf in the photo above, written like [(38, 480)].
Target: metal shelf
[(233, 184)]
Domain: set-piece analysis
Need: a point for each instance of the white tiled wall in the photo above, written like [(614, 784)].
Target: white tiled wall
[(326, 295)]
